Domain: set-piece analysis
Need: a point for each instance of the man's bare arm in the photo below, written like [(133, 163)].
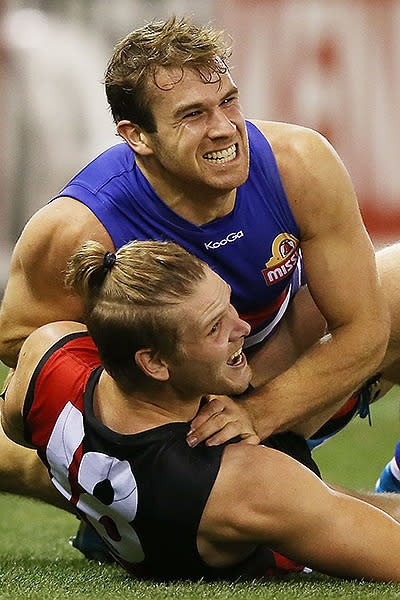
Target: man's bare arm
[(262, 496), (35, 292), (342, 278)]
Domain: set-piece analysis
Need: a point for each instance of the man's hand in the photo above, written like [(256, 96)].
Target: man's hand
[(219, 420)]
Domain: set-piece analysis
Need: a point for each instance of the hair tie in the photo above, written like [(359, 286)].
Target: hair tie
[(109, 260)]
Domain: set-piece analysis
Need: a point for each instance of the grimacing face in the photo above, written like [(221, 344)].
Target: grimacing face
[(210, 358), (201, 139)]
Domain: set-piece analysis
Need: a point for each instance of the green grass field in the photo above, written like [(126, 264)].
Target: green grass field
[(37, 563)]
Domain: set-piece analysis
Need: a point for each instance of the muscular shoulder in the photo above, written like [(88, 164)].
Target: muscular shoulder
[(231, 506), (37, 272), (252, 503), (47, 243), (293, 143), (33, 349), (58, 229), (36, 345), (40, 340), (314, 177)]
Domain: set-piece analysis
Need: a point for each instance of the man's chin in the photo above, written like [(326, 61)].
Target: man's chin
[(239, 388)]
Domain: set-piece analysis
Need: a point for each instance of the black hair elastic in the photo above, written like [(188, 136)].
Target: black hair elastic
[(109, 260)]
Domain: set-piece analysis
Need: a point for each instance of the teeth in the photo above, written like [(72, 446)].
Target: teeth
[(222, 155), (235, 358)]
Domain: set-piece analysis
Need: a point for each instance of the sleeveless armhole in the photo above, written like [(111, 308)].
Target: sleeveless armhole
[(30, 394)]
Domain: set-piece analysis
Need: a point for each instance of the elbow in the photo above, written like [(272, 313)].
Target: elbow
[(12, 336), (376, 343), (9, 350), (381, 339), (381, 350)]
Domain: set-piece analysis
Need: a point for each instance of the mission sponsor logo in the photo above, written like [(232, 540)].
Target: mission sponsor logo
[(231, 237), (285, 254)]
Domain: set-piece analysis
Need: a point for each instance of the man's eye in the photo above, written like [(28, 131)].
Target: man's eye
[(194, 113), (228, 100), (214, 328)]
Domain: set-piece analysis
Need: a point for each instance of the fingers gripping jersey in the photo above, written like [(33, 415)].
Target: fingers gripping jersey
[(143, 493), (255, 248)]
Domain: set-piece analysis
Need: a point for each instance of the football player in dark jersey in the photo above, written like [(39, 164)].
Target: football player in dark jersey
[(109, 415)]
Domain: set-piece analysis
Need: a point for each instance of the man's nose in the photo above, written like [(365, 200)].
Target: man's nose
[(246, 328), (220, 125), (241, 328)]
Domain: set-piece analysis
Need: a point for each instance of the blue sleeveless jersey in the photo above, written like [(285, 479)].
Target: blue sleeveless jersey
[(255, 248)]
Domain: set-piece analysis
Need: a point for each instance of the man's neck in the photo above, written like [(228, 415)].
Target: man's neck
[(145, 409), (199, 205), (199, 212)]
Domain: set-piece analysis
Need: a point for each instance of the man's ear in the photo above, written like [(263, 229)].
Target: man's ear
[(137, 139), (152, 364)]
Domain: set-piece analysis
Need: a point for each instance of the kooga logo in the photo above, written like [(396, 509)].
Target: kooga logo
[(231, 237)]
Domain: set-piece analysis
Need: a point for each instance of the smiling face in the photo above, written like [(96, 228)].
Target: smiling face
[(209, 359), (200, 147)]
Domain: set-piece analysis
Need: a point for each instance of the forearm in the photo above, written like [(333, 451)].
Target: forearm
[(355, 541), (318, 382), (389, 503)]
